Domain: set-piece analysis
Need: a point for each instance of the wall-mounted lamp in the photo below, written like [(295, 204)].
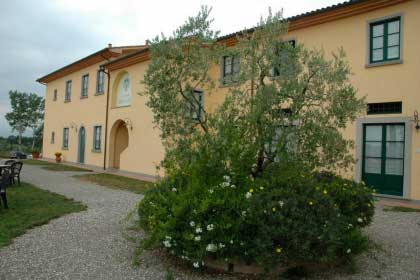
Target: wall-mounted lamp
[(416, 120), (128, 124), (73, 125)]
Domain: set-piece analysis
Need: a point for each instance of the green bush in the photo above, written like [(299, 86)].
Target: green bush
[(286, 217)]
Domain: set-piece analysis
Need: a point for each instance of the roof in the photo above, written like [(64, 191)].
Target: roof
[(96, 57), (319, 16)]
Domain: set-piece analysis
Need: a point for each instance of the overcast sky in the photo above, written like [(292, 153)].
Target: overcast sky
[(39, 36)]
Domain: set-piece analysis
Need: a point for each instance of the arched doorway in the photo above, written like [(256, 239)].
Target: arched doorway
[(82, 145), (119, 142)]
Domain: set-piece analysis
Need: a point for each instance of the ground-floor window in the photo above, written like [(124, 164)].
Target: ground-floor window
[(97, 132), (66, 138)]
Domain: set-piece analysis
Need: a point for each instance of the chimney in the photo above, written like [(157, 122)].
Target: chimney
[(109, 45)]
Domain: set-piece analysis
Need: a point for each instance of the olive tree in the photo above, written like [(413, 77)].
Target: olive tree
[(285, 102)]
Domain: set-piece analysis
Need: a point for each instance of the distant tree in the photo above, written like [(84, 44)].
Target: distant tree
[(36, 116), (27, 112)]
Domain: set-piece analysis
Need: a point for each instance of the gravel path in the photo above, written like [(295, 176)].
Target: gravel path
[(93, 244)]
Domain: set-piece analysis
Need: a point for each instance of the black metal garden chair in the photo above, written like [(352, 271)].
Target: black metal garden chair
[(9, 162), (15, 172), (4, 182)]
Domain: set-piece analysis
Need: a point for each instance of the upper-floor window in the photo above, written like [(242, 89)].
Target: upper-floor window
[(282, 55), (67, 97), (66, 138), (385, 40), (230, 68), (384, 108), (52, 137), (196, 110), (85, 85), (97, 133), (55, 95), (100, 82)]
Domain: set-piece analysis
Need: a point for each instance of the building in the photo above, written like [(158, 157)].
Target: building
[(381, 41)]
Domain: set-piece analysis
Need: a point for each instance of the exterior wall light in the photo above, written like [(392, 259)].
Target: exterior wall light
[(128, 123), (73, 125), (416, 120)]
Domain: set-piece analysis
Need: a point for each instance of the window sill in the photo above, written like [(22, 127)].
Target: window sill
[(65, 148), (384, 63), (83, 96), (99, 93), (96, 151), (118, 107), (67, 101), (224, 84)]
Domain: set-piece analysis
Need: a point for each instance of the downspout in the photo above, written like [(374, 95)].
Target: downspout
[(106, 115)]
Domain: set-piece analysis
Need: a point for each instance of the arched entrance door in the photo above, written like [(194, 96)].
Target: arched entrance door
[(82, 144), (119, 142)]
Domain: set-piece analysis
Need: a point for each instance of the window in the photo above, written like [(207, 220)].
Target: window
[(230, 68), (97, 133), (384, 108), (198, 107), (55, 95), (67, 97), (276, 68), (85, 85), (385, 40), (100, 82), (52, 137), (66, 138)]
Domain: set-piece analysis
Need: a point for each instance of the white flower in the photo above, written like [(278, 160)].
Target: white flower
[(197, 238), (211, 248), (192, 224), (225, 184), (348, 251), (198, 230), (167, 243), (168, 237), (360, 220), (211, 190), (210, 227), (243, 213), (281, 203), (174, 189), (226, 178), (231, 242), (221, 245), (350, 226), (233, 186), (248, 195), (196, 264)]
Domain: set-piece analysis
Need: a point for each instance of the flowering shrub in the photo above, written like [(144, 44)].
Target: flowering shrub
[(240, 182), (288, 218)]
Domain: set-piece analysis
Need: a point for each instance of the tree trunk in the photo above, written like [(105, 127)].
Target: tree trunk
[(33, 140), (20, 142)]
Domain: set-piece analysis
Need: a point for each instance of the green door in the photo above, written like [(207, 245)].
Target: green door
[(82, 144), (383, 157)]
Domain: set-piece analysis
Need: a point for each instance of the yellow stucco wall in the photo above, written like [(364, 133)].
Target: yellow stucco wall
[(86, 112), (399, 82), (145, 150)]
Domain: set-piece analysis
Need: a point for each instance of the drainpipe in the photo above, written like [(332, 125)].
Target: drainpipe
[(106, 115)]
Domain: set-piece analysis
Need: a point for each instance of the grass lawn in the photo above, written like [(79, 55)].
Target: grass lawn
[(54, 166), (117, 182), (30, 207), (400, 209)]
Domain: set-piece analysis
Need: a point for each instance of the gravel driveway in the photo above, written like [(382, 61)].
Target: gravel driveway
[(93, 244)]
